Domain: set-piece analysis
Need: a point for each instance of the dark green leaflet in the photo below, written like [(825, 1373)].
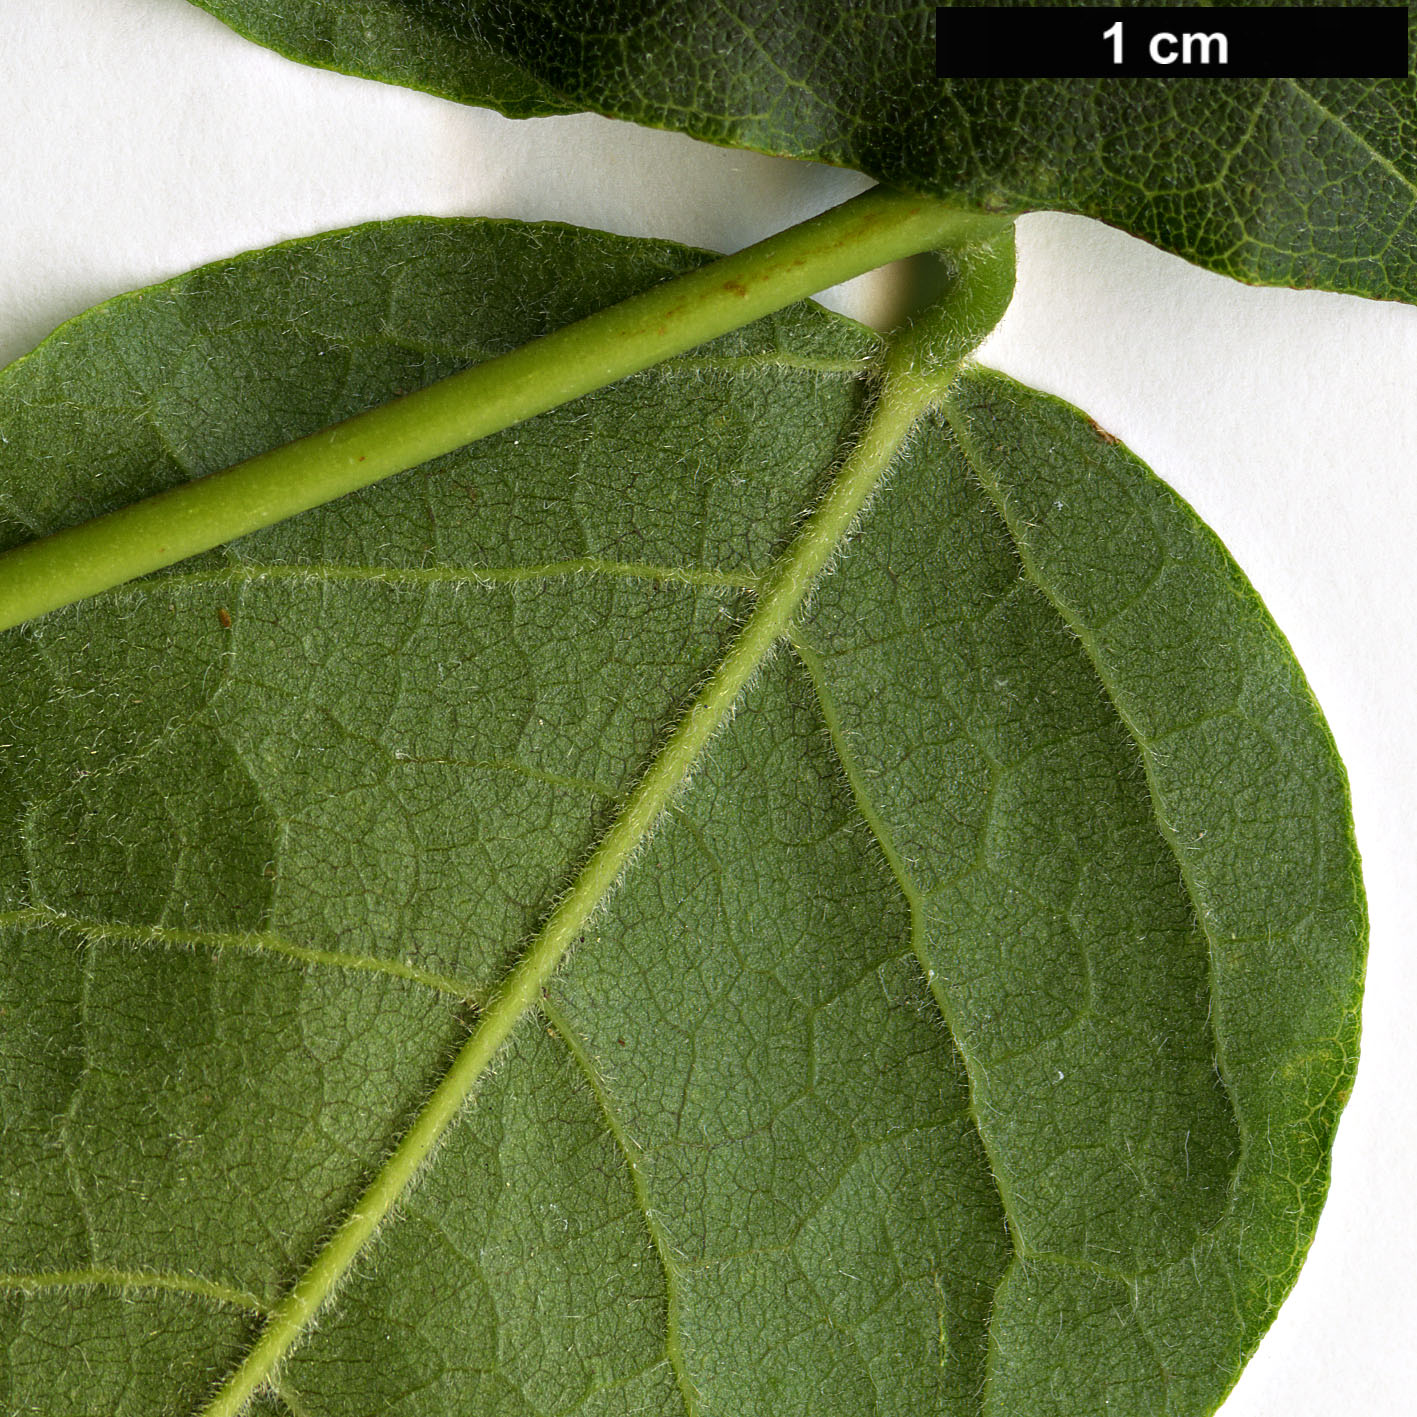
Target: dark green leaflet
[(1283, 182)]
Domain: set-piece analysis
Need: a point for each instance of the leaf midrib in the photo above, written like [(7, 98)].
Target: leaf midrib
[(904, 395)]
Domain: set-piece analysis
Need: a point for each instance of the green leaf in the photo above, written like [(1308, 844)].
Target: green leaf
[(1303, 182), (967, 1036)]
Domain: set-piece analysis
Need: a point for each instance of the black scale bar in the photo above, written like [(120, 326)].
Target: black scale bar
[(1173, 41)]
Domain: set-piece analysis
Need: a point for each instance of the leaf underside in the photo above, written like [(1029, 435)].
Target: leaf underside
[(1303, 182), (968, 1037)]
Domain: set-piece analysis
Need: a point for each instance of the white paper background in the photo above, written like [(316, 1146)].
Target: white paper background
[(139, 138)]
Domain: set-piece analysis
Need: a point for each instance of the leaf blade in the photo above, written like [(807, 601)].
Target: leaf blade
[(803, 1128)]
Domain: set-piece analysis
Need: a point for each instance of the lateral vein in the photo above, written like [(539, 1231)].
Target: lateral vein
[(1360, 142), (903, 396), (1146, 751), (673, 1346), (127, 1280), (255, 942), (914, 898), (477, 577)]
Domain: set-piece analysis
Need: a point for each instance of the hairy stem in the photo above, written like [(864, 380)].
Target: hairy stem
[(869, 231)]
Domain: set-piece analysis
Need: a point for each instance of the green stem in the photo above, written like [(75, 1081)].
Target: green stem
[(869, 231), (906, 393)]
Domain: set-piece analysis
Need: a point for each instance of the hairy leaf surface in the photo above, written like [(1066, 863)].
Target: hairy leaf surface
[(967, 1038), (1305, 182)]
